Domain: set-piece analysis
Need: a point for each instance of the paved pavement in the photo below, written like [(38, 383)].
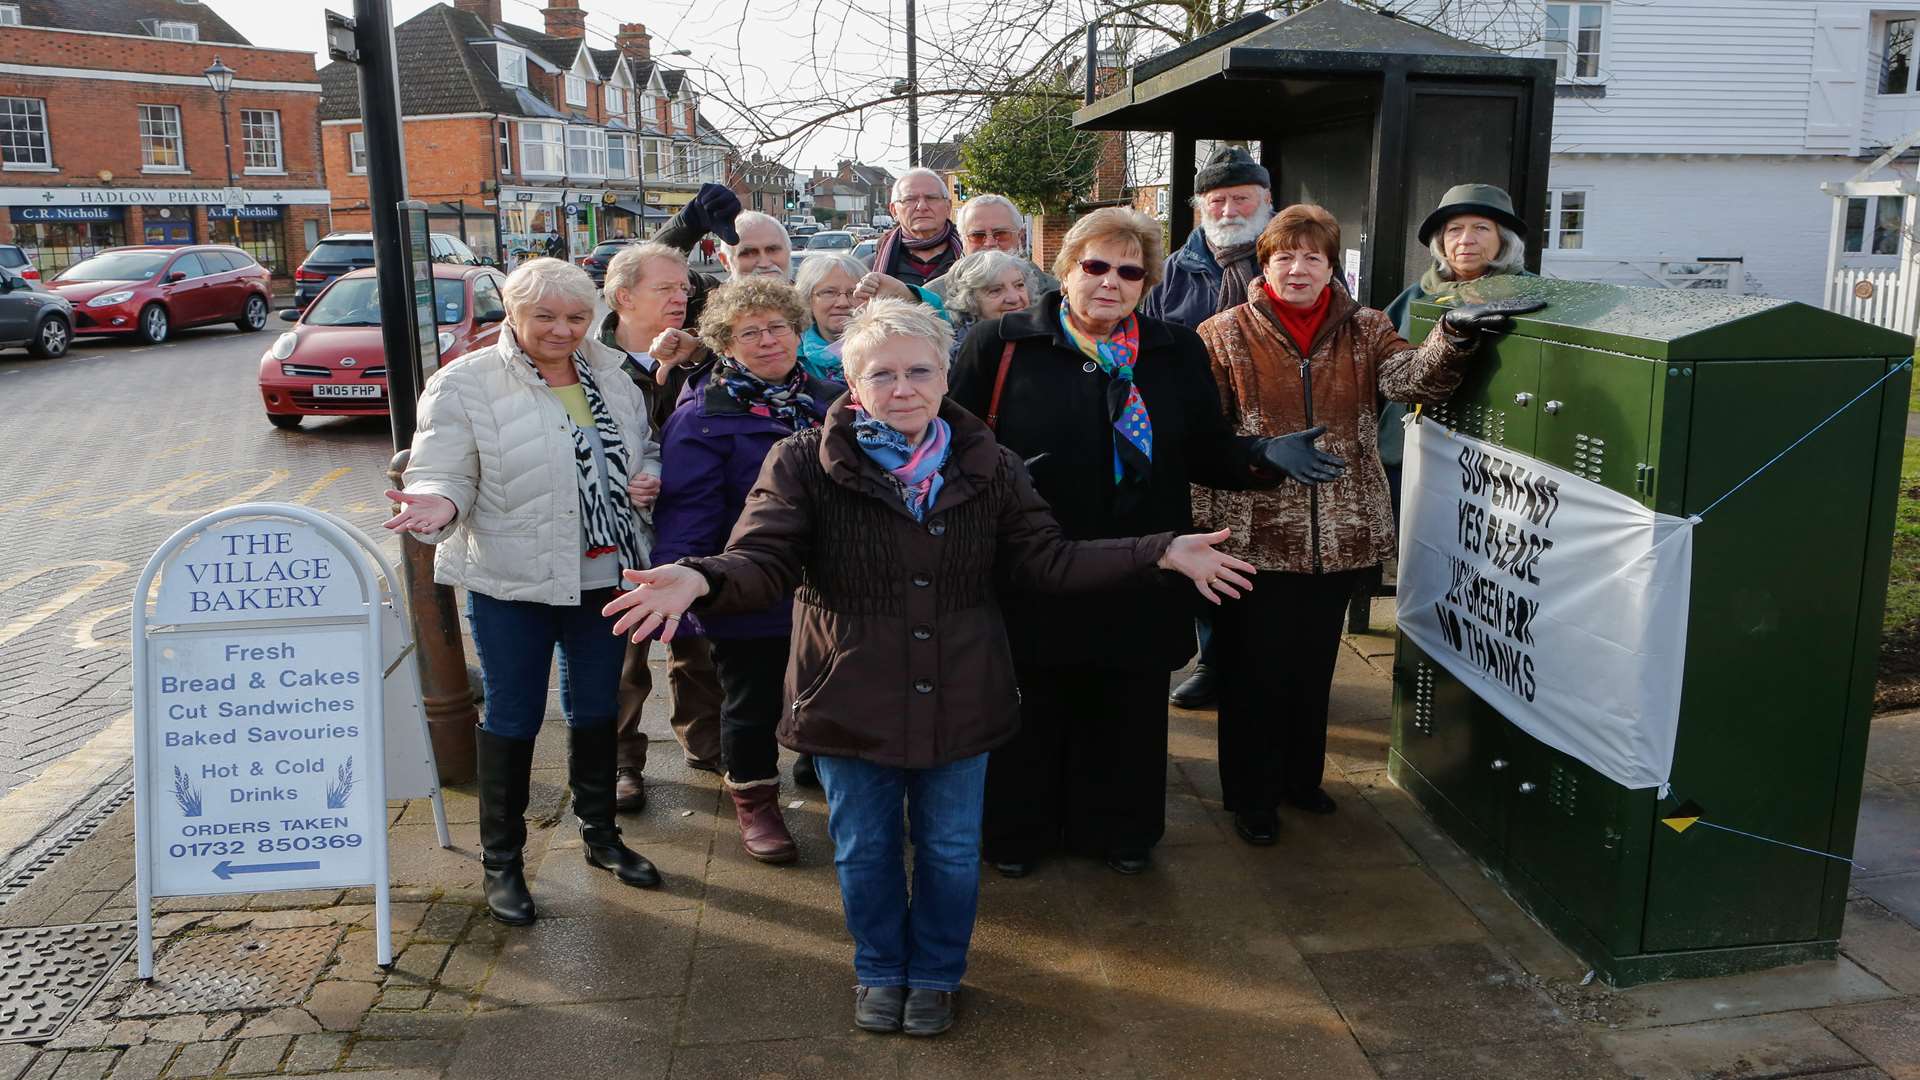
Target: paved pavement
[(1363, 945), (109, 450)]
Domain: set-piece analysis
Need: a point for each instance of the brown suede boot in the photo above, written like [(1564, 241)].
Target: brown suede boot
[(763, 831)]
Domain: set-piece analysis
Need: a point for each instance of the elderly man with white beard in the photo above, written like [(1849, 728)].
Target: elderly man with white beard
[(1210, 272)]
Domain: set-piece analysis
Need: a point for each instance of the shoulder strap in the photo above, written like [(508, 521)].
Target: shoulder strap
[(999, 385)]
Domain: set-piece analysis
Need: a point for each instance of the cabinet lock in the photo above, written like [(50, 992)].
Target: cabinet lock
[(1527, 787)]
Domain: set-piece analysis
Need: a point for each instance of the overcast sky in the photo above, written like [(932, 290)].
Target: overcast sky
[(758, 48)]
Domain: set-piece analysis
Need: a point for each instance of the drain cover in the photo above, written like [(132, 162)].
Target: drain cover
[(239, 969), (48, 972)]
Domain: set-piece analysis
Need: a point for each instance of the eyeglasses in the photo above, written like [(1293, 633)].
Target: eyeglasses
[(922, 200), (833, 296), (759, 334), (1099, 268), (885, 380), (998, 236)]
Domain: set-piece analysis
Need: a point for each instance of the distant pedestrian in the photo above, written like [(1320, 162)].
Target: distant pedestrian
[(531, 464), (556, 246), (706, 249)]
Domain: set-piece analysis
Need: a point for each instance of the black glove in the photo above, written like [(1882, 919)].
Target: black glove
[(713, 211), (1296, 456), (1466, 324)]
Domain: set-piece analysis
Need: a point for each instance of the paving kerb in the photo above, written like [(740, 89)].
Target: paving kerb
[(1228, 960)]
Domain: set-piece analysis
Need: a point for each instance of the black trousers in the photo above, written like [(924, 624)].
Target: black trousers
[(752, 672), (1088, 768), (1275, 649)]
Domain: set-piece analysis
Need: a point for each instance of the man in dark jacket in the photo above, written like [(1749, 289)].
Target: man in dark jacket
[(750, 242), (1207, 275), (925, 244)]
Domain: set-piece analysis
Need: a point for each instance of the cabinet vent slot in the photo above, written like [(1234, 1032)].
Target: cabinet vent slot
[(1481, 421), (1563, 789), (1423, 698), (1589, 454)]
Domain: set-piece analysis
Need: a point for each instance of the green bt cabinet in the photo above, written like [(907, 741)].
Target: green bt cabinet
[(1673, 397)]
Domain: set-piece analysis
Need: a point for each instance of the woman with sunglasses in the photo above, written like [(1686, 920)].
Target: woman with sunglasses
[(1116, 414), (712, 449)]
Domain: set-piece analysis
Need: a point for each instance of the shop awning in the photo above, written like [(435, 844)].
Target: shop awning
[(645, 213)]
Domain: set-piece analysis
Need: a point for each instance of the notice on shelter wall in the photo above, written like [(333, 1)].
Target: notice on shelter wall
[(1557, 601)]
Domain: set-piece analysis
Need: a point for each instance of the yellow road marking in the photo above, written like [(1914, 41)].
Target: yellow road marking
[(165, 505), (106, 571)]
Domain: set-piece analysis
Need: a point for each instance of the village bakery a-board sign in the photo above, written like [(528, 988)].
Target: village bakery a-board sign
[(259, 744)]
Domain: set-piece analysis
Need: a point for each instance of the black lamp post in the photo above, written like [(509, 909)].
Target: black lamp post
[(220, 77)]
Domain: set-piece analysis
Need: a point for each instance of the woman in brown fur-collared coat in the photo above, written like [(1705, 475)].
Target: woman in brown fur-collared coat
[(1276, 647)]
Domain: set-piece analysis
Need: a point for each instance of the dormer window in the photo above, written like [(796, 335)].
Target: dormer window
[(512, 63), (176, 31), (9, 14), (616, 101), (576, 90)]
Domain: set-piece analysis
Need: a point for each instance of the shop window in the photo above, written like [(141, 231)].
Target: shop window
[(260, 136), (161, 146), (167, 232), (263, 241), (56, 246), (23, 134)]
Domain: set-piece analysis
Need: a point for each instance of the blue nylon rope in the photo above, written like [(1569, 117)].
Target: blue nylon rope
[(1771, 462)]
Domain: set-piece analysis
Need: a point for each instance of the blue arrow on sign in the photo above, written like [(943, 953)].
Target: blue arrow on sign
[(226, 870)]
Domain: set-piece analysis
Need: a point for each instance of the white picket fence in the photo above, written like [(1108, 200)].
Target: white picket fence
[(1883, 296)]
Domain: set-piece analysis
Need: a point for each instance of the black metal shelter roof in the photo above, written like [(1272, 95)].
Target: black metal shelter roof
[(1314, 51)]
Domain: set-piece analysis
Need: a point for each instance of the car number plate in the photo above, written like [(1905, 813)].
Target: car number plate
[(350, 390)]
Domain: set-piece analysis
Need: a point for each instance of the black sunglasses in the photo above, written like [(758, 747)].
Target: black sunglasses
[(1099, 268)]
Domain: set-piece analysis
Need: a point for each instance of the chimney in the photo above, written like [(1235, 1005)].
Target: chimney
[(635, 42), (565, 19), (487, 11)]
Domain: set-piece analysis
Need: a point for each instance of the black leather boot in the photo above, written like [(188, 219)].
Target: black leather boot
[(505, 767), (590, 772)]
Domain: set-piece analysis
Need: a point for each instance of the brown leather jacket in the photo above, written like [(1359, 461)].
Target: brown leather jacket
[(900, 654), (1358, 358)]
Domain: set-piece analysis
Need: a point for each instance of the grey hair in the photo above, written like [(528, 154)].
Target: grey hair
[(1019, 219), (1511, 259), (894, 195), (815, 270), (630, 265), (537, 279), (973, 273), (748, 217), (886, 318)]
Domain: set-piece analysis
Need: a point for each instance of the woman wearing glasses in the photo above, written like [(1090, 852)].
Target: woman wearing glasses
[(894, 519), (1115, 414), (711, 450)]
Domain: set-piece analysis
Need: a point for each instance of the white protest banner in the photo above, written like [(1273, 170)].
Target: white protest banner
[(263, 679), (1559, 602)]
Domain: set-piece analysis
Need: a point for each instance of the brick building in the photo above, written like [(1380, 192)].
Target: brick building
[(513, 135), (110, 133), (761, 185)]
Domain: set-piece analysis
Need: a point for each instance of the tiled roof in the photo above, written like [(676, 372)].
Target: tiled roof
[(126, 17), (940, 156), (557, 51)]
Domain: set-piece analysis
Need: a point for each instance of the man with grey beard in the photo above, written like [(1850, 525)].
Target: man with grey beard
[(1211, 271), (1210, 274)]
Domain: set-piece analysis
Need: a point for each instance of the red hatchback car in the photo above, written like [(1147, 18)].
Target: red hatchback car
[(333, 362), (150, 292)]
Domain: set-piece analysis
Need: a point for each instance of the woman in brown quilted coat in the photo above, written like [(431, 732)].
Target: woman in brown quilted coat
[(1300, 354)]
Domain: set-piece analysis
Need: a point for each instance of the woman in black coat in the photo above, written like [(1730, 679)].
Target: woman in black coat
[(1115, 414)]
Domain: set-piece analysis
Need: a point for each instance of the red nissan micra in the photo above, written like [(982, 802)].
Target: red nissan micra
[(150, 292), (333, 363)]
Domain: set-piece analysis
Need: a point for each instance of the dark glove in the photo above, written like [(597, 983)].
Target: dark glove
[(1296, 456), (713, 211), (1466, 324)]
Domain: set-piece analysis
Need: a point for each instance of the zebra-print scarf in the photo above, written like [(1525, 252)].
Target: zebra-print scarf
[(606, 516)]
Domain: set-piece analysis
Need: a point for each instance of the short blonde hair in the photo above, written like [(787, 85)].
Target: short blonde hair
[(744, 296), (537, 279), (889, 318), (630, 265), (1113, 223)]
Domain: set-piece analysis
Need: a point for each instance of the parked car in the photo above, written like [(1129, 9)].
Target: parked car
[(339, 253), (595, 262), (831, 240), (14, 257), (40, 320), (150, 291), (864, 251), (334, 363)]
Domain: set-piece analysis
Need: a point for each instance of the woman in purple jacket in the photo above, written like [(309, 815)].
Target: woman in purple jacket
[(711, 451)]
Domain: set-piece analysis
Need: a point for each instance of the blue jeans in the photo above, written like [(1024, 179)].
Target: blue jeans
[(515, 640), (900, 941)]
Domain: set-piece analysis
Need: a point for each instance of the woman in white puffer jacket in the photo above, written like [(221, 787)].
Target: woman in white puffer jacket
[(533, 468)]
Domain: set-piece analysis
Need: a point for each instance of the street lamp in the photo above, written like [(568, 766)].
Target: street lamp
[(220, 77)]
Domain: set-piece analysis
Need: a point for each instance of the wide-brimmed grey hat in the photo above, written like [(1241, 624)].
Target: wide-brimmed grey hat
[(1483, 199)]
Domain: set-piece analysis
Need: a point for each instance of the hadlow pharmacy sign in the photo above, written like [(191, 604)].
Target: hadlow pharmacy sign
[(266, 679)]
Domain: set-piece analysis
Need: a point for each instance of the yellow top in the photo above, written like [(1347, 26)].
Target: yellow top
[(575, 399)]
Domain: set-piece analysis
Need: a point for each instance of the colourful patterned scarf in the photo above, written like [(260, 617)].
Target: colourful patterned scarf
[(1133, 429), (787, 401), (821, 357), (916, 469)]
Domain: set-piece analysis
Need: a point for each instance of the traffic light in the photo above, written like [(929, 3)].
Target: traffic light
[(793, 199)]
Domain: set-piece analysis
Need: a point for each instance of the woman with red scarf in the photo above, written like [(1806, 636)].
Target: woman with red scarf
[(1300, 354)]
